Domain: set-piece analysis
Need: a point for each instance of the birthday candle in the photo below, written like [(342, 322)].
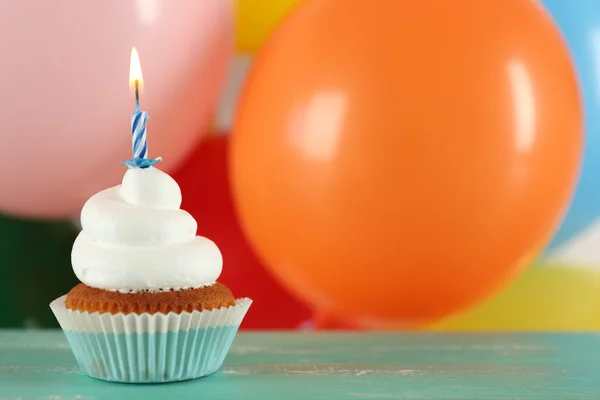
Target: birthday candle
[(138, 118), (139, 144), (138, 134)]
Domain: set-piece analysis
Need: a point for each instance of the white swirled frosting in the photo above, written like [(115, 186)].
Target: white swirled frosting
[(134, 237)]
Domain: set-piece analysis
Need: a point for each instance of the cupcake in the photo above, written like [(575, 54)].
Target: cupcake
[(149, 307)]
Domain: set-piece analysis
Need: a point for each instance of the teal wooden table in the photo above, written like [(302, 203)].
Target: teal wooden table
[(39, 365)]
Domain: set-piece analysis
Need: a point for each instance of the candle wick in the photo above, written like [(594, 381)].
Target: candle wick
[(137, 95)]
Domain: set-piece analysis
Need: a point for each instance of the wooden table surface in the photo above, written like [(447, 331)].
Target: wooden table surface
[(39, 365)]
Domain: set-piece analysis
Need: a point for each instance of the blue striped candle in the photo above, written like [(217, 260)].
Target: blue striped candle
[(139, 144), (138, 134)]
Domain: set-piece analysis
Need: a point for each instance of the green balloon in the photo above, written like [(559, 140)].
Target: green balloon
[(35, 268)]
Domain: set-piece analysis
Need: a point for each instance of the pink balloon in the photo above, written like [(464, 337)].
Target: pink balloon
[(65, 105)]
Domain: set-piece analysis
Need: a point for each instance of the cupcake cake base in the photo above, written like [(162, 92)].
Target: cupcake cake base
[(86, 298), (150, 347)]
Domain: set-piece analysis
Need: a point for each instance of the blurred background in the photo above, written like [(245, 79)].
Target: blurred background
[(428, 165)]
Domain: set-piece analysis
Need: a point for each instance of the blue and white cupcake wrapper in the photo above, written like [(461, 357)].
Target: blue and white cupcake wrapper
[(150, 348)]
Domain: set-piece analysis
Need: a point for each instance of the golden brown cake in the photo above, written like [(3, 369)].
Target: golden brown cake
[(85, 298)]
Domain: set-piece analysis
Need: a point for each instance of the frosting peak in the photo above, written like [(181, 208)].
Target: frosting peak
[(135, 237), (150, 187)]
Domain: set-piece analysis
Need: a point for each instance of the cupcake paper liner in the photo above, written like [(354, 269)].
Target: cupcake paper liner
[(150, 348)]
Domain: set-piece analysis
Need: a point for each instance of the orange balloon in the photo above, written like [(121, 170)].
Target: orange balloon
[(400, 160)]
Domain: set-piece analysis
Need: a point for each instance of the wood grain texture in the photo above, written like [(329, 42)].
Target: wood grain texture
[(39, 365)]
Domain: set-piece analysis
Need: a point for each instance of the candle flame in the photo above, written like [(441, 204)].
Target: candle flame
[(135, 71)]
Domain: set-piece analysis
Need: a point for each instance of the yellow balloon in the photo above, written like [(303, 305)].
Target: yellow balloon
[(544, 298), (255, 19)]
